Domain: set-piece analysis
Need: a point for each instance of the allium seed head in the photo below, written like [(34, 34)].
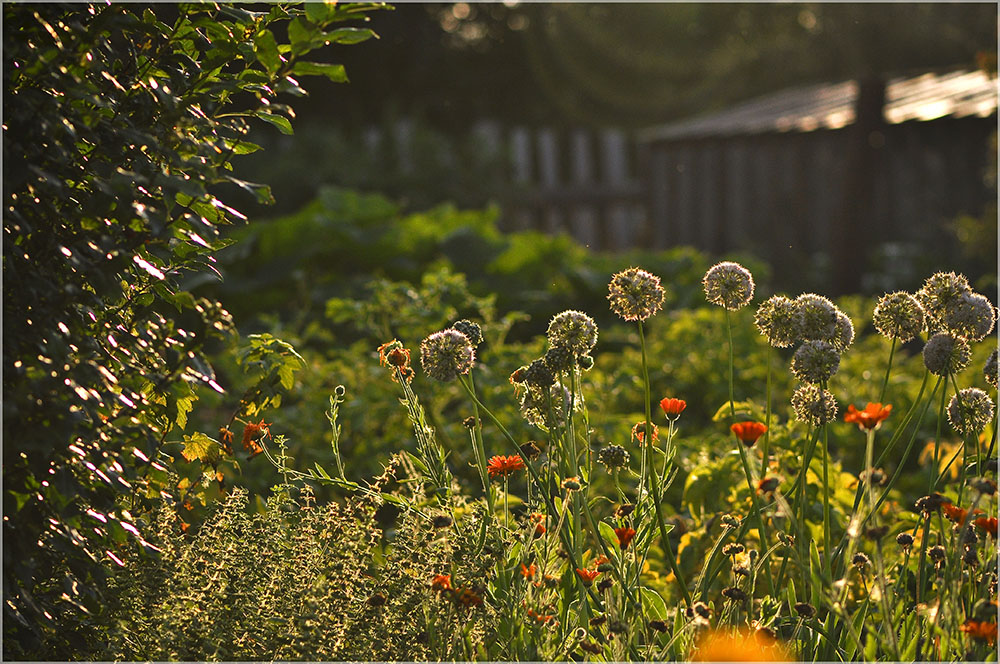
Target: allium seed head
[(635, 294), (573, 330), (471, 330), (971, 316), (815, 361), (939, 293), (898, 316), (728, 285), (946, 354), (539, 374), (844, 334), (446, 355), (970, 411), (814, 405), (776, 319), (990, 369), (817, 317), (614, 457), (559, 359)]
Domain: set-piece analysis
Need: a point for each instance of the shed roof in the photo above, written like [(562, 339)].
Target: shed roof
[(831, 106)]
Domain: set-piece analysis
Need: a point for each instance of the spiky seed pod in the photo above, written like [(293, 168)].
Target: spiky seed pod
[(938, 294), (573, 330), (614, 457), (805, 609), (971, 316), (815, 361), (861, 560), (844, 334), (990, 369), (814, 405), (446, 355), (635, 294), (904, 540), (539, 374), (471, 330), (817, 317), (729, 285), (776, 319), (946, 354), (733, 549), (898, 316), (559, 359), (936, 553), (970, 411)]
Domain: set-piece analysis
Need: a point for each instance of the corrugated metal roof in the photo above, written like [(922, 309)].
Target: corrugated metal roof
[(831, 106)]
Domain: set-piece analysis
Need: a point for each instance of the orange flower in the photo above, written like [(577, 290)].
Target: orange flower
[(768, 484), (252, 433), (441, 582), (504, 465), (869, 418), (541, 618), (539, 525), (981, 631), (639, 432), (468, 597), (955, 513), (738, 646), (587, 576), (672, 407), (987, 524), (748, 432), (625, 536), (528, 572)]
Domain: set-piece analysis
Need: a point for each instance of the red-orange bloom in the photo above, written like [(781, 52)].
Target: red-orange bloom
[(539, 525), (541, 618), (987, 524), (504, 465), (981, 631), (587, 575), (748, 432), (528, 572), (955, 513), (639, 432), (468, 597), (441, 582), (625, 536), (672, 407), (253, 432), (869, 418)]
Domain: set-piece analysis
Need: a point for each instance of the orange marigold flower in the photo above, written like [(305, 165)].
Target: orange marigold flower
[(252, 433), (955, 513), (539, 617), (571, 483), (869, 418), (672, 407), (639, 432), (981, 631), (587, 576), (738, 646), (539, 523), (528, 572), (748, 432), (504, 465), (441, 582), (625, 536), (987, 524)]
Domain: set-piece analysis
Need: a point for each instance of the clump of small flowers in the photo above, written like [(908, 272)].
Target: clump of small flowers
[(971, 316), (573, 330), (814, 405), (472, 331), (815, 361), (729, 285), (869, 418), (776, 319), (635, 294), (446, 355), (990, 369), (817, 317), (898, 316), (946, 354), (970, 411), (613, 457), (939, 293)]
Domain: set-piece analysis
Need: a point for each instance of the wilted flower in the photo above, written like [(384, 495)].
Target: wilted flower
[(614, 457), (734, 594), (990, 369), (635, 294), (253, 433), (573, 330), (970, 316), (805, 609), (898, 316), (768, 484), (777, 320), (639, 432), (733, 549), (571, 484), (446, 355), (869, 418), (625, 536), (946, 354), (728, 285), (861, 560), (815, 361), (817, 317), (939, 293), (672, 407), (931, 502), (970, 411), (814, 405), (504, 465), (936, 553), (748, 432), (954, 513)]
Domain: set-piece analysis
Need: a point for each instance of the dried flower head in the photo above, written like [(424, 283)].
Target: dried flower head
[(990, 369), (936, 553), (539, 374), (939, 293), (931, 502), (777, 320), (635, 294), (861, 560), (730, 521), (971, 316), (904, 540), (815, 361), (734, 594), (472, 331), (817, 317), (559, 359), (814, 405), (573, 330), (843, 335), (946, 354), (869, 418), (571, 483), (768, 485), (970, 411), (805, 610), (446, 355), (613, 457), (733, 549), (898, 316), (728, 285)]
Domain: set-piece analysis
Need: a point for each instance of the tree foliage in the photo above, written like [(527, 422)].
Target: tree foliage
[(120, 127)]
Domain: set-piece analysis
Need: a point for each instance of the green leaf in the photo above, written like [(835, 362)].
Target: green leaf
[(279, 121), (608, 533), (303, 36), (322, 472), (265, 47), (335, 73), (200, 447), (242, 147), (350, 35), (319, 12), (654, 603)]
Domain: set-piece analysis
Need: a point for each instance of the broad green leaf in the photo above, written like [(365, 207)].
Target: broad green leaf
[(335, 73), (608, 533), (349, 35), (319, 12), (242, 147), (200, 447), (654, 603), (279, 121), (265, 47)]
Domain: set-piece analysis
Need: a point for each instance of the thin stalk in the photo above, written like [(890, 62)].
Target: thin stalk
[(765, 447), (937, 441), (888, 368)]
